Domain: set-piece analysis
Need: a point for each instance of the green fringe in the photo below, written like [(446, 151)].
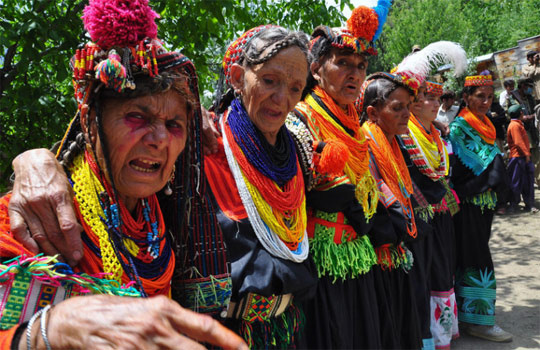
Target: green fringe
[(278, 333), (484, 200), (424, 213), (392, 258), (346, 260)]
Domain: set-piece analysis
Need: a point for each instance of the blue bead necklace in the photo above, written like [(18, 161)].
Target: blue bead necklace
[(275, 162)]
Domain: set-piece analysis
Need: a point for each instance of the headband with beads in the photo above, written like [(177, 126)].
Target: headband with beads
[(235, 51), (363, 28), (433, 88), (479, 80)]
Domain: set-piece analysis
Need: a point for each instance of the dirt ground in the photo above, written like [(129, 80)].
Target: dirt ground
[(515, 246)]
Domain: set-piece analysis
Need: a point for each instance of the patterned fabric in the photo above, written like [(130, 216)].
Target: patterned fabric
[(444, 318), (209, 295), (450, 202), (478, 80), (335, 247), (470, 148), (433, 88), (476, 294), (28, 284)]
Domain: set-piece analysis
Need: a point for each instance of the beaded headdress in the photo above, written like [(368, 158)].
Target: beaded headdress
[(124, 47), (236, 49), (433, 88), (363, 28), (478, 80)]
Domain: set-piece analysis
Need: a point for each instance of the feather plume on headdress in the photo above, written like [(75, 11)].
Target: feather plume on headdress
[(417, 66), (435, 54)]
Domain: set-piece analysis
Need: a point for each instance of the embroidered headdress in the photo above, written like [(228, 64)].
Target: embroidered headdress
[(478, 80), (434, 88), (363, 28), (124, 49)]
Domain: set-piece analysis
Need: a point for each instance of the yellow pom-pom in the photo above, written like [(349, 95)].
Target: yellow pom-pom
[(363, 23)]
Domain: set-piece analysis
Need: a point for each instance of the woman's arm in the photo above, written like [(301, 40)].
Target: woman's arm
[(41, 207)]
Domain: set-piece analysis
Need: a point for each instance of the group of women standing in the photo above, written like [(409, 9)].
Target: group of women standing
[(315, 222)]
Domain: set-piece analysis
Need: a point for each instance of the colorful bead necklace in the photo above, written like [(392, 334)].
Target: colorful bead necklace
[(393, 170), (125, 248), (357, 167), (427, 151), (278, 216), (277, 163)]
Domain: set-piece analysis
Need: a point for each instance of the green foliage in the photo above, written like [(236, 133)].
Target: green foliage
[(480, 26), (37, 38)]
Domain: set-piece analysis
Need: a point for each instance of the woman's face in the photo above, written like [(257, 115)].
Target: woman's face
[(393, 116), (426, 107), (272, 89), (480, 100), (341, 74), (144, 137)]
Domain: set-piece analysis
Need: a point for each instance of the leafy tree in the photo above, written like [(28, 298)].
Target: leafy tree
[(37, 37), (480, 26)]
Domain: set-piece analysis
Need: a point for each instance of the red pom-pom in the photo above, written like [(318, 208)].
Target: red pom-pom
[(119, 22), (333, 157), (363, 23)]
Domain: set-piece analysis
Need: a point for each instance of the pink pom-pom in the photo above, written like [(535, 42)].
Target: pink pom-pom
[(119, 22)]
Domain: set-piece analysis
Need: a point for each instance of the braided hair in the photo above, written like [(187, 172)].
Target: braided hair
[(274, 39)]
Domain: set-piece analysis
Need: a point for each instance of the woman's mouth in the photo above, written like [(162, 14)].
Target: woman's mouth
[(145, 166)]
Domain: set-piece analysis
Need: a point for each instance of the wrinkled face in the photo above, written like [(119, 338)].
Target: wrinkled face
[(428, 107), (144, 136), (393, 116), (480, 100), (270, 90), (341, 74)]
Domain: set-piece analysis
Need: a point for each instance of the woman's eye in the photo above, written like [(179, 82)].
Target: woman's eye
[(362, 66), (135, 119), (173, 124), (268, 81)]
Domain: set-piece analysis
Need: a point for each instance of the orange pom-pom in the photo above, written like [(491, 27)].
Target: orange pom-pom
[(333, 157), (363, 23)]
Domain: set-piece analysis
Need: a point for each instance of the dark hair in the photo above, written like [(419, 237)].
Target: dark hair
[(531, 53), (376, 94), (447, 94), (509, 83), (276, 38), (524, 81)]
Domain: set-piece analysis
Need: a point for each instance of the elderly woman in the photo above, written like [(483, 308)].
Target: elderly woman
[(478, 177), (136, 104), (257, 191), (384, 102), (344, 312), (258, 185)]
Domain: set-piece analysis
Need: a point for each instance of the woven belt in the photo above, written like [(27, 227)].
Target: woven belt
[(255, 307)]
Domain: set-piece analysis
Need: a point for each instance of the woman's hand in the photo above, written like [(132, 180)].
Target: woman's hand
[(111, 322), (41, 207), (209, 133)]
